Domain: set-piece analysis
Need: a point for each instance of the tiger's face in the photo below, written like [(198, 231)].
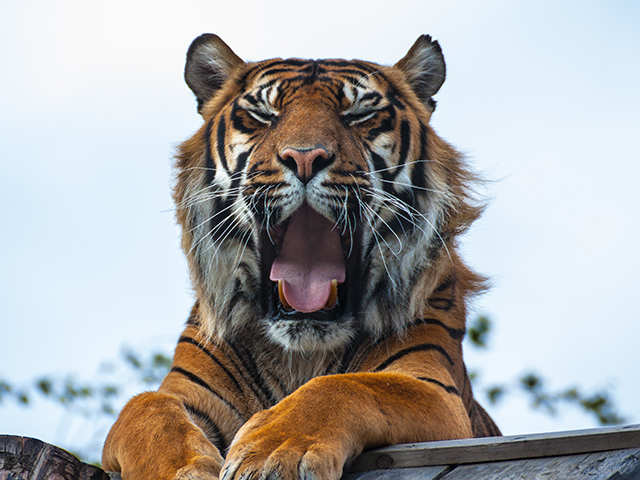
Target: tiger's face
[(315, 196)]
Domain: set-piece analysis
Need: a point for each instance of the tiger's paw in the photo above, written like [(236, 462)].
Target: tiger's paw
[(269, 450), (200, 468), (292, 460)]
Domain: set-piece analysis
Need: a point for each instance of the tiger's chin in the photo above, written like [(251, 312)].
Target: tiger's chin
[(323, 330), (310, 335)]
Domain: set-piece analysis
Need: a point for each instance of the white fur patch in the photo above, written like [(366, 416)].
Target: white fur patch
[(310, 335)]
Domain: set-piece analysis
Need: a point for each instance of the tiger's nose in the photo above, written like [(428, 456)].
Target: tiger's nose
[(306, 162)]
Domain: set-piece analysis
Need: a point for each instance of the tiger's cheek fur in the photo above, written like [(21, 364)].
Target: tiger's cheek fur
[(217, 230)]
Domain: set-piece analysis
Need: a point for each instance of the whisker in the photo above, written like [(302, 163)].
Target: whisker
[(375, 237), (371, 172), (410, 185), (211, 217), (395, 253), (421, 215)]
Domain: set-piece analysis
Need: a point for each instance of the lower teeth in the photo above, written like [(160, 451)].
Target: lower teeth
[(333, 296), (283, 300)]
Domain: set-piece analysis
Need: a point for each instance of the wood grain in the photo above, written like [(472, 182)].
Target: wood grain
[(598, 454), (610, 465), (23, 458), (421, 473), (476, 450)]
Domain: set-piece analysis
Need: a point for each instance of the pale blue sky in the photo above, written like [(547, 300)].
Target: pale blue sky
[(542, 97)]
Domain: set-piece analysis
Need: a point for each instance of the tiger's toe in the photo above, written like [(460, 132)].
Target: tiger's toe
[(200, 468), (287, 462)]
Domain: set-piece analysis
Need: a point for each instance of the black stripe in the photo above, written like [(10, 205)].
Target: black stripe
[(241, 161), (304, 79), (416, 348), (210, 428), (351, 351), (278, 71), (405, 143), (238, 295), (289, 63), (237, 120), (267, 84), (352, 117), (252, 369), (418, 177), (375, 96), (220, 140), (276, 184), (197, 380), (262, 66), (249, 98), (380, 164), (385, 125), (217, 221), (347, 63), (355, 82), (313, 74), (380, 289), (330, 366), (448, 388), (346, 73), (212, 357), (210, 166), (277, 380), (243, 79), (444, 285), (454, 333), (395, 98), (441, 303)]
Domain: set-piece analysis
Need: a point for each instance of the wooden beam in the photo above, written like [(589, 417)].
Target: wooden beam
[(609, 465), (491, 449), (24, 458), (492, 458)]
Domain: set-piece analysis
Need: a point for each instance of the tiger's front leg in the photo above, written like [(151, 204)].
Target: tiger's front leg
[(154, 439), (313, 432)]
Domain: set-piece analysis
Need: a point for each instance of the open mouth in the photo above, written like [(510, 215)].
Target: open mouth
[(309, 266)]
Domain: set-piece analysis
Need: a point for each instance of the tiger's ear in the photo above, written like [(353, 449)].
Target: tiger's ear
[(209, 63), (424, 68)]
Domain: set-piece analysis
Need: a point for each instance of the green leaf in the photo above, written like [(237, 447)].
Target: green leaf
[(531, 382), (478, 331), (44, 385), (110, 390), (5, 389), (132, 359), (495, 394)]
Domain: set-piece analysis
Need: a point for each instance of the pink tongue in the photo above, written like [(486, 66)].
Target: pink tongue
[(310, 258)]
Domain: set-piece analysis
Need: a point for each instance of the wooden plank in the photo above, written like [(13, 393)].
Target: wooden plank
[(422, 473), (610, 465), (23, 458), (476, 450)]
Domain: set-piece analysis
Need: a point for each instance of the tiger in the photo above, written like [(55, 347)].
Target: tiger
[(320, 217)]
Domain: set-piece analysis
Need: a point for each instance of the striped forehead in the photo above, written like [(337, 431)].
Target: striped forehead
[(354, 78)]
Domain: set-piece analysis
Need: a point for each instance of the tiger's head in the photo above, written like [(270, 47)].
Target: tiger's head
[(316, 202)]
